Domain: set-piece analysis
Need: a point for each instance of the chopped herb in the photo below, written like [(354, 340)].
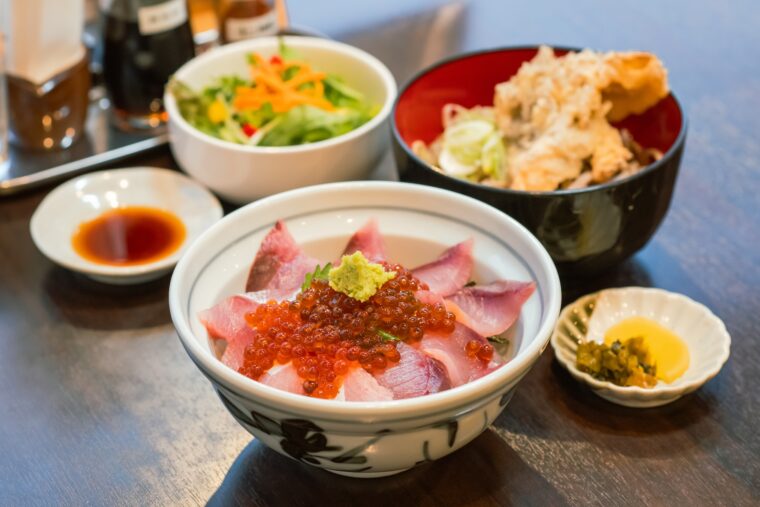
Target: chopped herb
[(318, 274), (387, 337), (471, 283), (498, 339), (622, 363)]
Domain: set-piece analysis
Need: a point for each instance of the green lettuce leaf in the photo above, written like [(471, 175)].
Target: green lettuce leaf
[(308, 124)]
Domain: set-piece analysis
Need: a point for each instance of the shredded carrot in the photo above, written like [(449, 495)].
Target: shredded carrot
[(282, 94), (304, 77)]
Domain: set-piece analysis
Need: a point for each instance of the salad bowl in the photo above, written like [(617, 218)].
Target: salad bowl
[(241, 173), (362, 438)]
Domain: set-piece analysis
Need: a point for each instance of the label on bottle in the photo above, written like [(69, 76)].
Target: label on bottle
[(162, 17), (246, 28)]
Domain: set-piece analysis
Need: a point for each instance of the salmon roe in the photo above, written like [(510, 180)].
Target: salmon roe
[(324, 332)]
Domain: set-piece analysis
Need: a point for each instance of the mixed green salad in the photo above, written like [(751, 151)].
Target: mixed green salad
[(284, 102)]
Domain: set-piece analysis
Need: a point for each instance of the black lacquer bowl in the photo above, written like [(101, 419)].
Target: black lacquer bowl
[(585, 230)]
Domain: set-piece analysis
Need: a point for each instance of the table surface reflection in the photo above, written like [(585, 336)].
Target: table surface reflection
[(100, 404)]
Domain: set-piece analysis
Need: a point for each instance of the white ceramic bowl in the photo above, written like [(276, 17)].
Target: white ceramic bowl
[(590, 316), (84, 198), (366, 439), (243, 173)]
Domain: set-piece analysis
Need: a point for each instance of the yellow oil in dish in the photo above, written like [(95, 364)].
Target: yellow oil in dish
[(666, 350)]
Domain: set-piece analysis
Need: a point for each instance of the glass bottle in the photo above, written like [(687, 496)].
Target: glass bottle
[(144, 43), (47, 75), (245, 19)]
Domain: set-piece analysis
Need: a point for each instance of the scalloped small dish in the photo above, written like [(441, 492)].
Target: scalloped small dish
[(82, 199), (589, 317)]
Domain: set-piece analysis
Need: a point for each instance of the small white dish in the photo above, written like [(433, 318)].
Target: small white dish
[(82, 199), (590, 316)]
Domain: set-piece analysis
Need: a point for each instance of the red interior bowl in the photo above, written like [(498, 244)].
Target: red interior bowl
[(470, 80), (585, 230)]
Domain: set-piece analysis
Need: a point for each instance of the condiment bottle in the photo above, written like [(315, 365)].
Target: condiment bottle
[(48, 76), (245, 19), (144, 43)]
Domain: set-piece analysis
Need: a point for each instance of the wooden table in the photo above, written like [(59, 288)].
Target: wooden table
[(99, 404)]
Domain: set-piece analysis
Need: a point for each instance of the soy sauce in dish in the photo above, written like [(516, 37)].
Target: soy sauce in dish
[(129, 236)]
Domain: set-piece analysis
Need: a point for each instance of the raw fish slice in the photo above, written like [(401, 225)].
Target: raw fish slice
[(226, 321), (358, 385), (284, 377), (450, 350), (280, 263), (490, 309), (450, 271), (429, 297), (416, 374), (368, 241)]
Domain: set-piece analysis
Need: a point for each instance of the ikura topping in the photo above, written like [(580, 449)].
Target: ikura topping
[(325, 332)]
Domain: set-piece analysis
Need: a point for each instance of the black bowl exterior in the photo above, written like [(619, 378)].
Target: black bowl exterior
[(585, 231)]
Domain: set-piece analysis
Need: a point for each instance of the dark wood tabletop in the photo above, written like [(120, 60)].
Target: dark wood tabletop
[(99, 404)]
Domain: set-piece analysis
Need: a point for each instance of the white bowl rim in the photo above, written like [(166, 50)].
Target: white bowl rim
[(660, 390), (296, 41), (381, 410), (90, 268)]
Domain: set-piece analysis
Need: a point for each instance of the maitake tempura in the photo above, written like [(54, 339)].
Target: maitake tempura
[(550, 124)]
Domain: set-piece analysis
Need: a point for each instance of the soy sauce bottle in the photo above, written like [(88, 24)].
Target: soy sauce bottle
[(246, 19), (144, 43)]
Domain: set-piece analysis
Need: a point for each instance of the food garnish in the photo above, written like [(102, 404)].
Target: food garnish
[(668, 351), (549, 127), (387, 336), (636, 352), (622, 363), (319, 273), (357, 277), (283, 102)]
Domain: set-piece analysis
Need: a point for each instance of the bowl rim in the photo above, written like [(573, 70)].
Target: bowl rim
[(677, 143), (123, 272), (337, 410), (381, 72), (659, 390)]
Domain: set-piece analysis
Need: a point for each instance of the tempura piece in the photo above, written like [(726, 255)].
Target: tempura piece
[(635, 82), (554, 114)]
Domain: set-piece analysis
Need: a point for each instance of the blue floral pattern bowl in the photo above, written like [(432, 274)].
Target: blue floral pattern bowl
[(366, 439)]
